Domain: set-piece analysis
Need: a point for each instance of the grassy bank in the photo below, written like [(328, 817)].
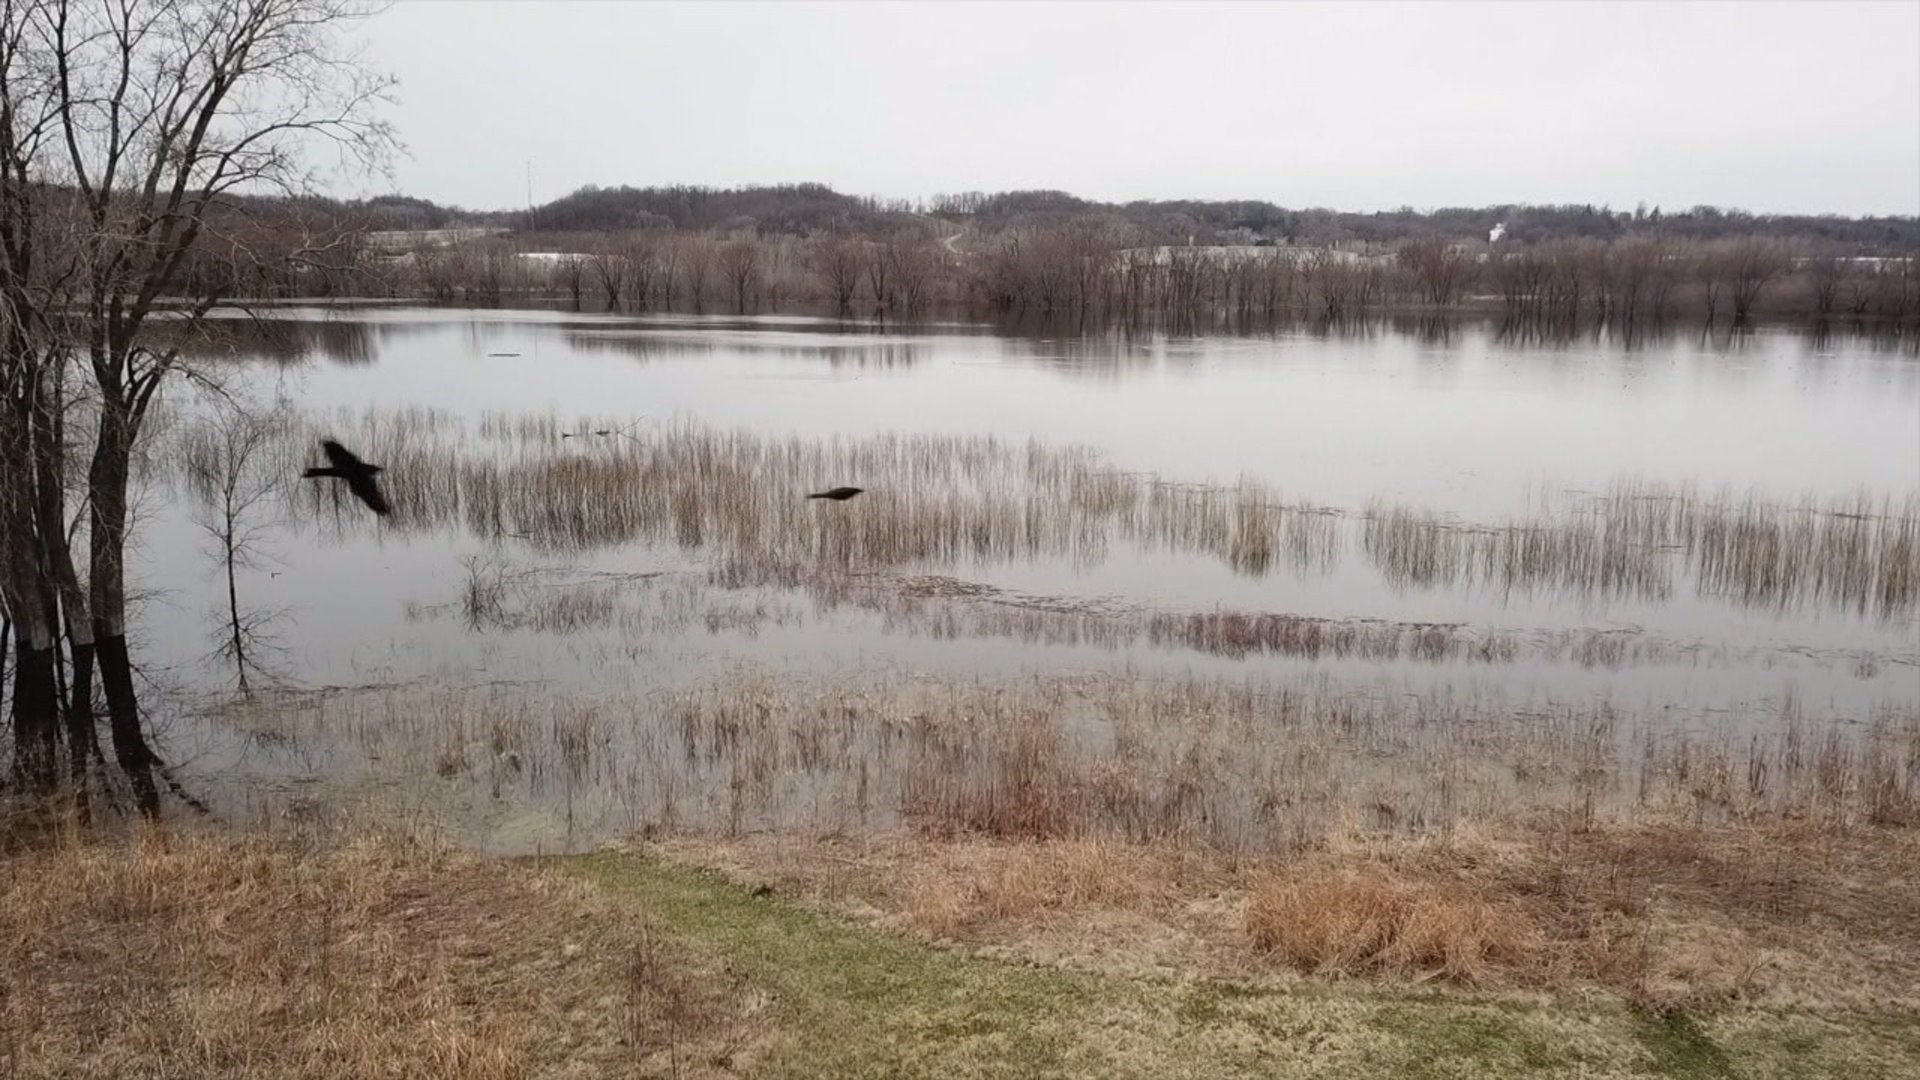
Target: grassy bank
[(854, 1001), (379, 955)]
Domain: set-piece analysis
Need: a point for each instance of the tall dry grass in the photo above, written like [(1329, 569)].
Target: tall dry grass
[(937, 502), (1858, 553), (1662, 913), (202, 955), (1229, 764), (1365, 919)]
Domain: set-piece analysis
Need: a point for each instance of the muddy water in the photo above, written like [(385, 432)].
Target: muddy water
[(1471, 432)]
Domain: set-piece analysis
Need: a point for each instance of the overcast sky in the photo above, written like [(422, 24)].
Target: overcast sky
[(1780, 107)]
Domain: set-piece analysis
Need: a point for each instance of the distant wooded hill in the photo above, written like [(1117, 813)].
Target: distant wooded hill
[(814, 209)]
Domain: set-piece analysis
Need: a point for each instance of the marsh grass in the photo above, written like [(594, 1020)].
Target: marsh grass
[(1226, 764), (567, 488), (1857, 553), (746, 599)]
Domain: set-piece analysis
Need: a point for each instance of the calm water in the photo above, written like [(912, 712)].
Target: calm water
[(1467, 428)]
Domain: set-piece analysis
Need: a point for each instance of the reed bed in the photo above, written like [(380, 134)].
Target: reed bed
[(938, 502), (976, 500), (749, 598), (1857, 553), (1228, 764)]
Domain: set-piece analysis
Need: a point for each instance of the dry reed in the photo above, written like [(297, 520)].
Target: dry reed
[(943, 501), (1365, 919), (1229, 764)]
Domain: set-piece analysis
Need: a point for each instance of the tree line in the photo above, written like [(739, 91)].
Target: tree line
[(1087, 270), (805, 246)]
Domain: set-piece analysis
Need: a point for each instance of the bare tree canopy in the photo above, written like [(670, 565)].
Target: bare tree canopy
[(132, 135)]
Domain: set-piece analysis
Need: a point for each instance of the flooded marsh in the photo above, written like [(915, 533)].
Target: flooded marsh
[(1249, 590)]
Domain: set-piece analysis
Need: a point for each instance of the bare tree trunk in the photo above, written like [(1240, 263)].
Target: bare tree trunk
[(36, 699), (83, 740), (36, 706), (107, 482), (130, 749), (26, 594), (238, 637), (51, 518)]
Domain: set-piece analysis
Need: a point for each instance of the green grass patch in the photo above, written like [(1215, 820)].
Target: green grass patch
[(853, 1001)]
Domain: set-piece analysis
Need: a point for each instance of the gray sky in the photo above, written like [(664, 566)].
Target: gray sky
[(1781, 107)]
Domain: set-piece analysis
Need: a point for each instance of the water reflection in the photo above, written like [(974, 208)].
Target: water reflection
[(355, 334), (1369, 492)]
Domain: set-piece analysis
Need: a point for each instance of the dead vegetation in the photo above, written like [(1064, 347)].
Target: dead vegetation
[(501, 594), (1231, 765), (1667, 914), (1855, 553), (944, 501), (1366, 920), (1311, 827), (359, 954), (201, 955)]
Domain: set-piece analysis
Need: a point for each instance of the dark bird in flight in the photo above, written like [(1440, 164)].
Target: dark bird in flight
[(358, 475), (839, 494)]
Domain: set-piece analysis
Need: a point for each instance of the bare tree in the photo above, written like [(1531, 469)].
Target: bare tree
[(914, 264), (610, 267), (671, 256), (1828, 272), (838, 261), (640, 250), (1860, 287), (879, 274), (699, 262), (39, 282), (142, 119), (1443, 270), (1637, 274), (740, 266), (236, 479), (1710, 269), (570, 270), (1752, 264)]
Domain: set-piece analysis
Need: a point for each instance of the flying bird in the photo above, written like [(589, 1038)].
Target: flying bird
[(839, 494), (358, 475)]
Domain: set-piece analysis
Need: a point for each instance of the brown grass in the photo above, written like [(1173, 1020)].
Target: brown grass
[(202, 956), (1032, 881), (1367, 919), (1663, 914)]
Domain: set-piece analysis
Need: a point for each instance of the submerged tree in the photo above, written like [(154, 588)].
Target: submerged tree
[(128, 130), (1752, 264), (236, 478), (740, 265)]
